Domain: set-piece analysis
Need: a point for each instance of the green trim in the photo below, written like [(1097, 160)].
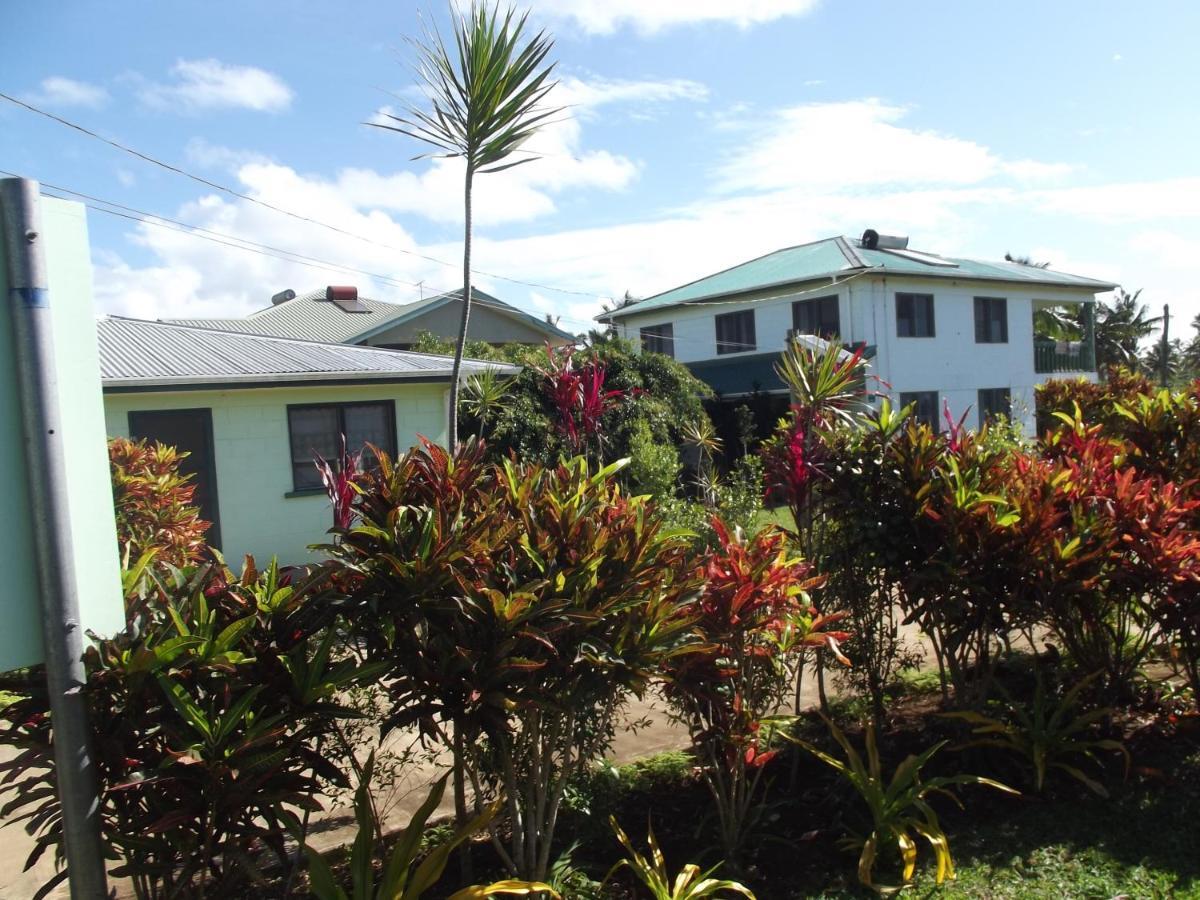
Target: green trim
[(307, 492)]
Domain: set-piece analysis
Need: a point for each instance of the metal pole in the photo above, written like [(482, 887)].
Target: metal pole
[(29, 303), (1166, 346)]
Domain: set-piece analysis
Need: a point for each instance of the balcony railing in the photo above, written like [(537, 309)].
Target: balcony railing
[(1051, 357)]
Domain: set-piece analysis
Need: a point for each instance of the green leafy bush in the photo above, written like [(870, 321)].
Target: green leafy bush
[(689, 884), (402, 876), (898, 807), (752, 616), (1048, 733), (515, 608), (153, 503), (209, 725)]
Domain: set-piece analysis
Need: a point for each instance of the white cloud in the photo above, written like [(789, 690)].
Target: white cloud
[(1125, 201), (59, 91), (951, 194), (526, 192), (576, 92), (651, 16), (201, 84), (215, 156), (859, 143)]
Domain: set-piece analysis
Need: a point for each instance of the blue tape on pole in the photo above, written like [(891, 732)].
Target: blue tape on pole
[(32, 297)]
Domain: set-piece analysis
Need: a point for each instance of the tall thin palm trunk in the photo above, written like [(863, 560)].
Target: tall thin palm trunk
[(460, 346)]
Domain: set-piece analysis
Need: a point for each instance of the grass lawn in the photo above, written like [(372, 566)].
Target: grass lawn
[(780, 516)]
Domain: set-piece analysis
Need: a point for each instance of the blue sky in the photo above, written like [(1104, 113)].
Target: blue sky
[(699, 133)]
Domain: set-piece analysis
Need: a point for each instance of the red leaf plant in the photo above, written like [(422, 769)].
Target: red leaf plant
[(340, 478), (753, 617), (579, 397)]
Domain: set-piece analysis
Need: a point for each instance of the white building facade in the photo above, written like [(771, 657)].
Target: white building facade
[(937, 332)]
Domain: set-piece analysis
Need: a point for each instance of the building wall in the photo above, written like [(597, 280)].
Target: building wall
[(695, 329), (951, 362), (253, 456), (92, 523), (486, 325)]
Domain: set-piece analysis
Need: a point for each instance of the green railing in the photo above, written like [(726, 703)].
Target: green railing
[(1050, 357)]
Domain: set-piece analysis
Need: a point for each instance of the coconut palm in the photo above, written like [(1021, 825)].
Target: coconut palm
[(485, 100), (1191, 353), (1120, 327)]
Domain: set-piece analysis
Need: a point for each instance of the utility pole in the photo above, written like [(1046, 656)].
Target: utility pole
[(29, 305), (1166, 346)]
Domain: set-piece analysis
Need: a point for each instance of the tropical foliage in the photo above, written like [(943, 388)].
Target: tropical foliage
[(209, 724), (153, 499), (1050, 733), (514, 608), (486, 99), (752, 616), (405, 874), (689, 884), (898, 807)]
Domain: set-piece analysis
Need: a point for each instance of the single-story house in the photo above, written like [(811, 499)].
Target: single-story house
[(253, 411), (338, 315)]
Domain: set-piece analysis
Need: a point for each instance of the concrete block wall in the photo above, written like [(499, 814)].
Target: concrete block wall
[(253, 456)]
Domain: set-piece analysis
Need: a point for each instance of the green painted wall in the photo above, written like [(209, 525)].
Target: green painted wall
[(253, 456), (93, 527)]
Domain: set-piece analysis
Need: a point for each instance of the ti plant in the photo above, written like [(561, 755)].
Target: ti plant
[(1046, 733), (403, 878), (898, 806), (689, 884)]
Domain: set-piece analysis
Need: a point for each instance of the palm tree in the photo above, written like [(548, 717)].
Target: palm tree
[(1152, 360), (485, 101), (1120, 327), (1191, 353)]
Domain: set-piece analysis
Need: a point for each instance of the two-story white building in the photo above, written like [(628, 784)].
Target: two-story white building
[(936, 329)]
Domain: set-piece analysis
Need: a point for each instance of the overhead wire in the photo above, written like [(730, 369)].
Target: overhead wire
[(278, 209)]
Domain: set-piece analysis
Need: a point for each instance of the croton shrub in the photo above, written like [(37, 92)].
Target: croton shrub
[(754, 617), (212, 726), (154, 504), (515, 608)]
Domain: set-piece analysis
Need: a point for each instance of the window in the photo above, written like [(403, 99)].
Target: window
[(818, 316), (991, 320), (316, 430), (994, 402), (926, 406), (735, 332), (914, 315), (659, 339)]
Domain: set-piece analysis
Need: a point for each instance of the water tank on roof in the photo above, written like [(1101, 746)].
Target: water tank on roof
[(283, 297), (873, 240)]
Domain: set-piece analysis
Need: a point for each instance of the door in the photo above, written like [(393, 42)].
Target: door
[(189, 431)]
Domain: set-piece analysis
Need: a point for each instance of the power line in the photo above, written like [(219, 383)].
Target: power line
[(119, 210), (130, 213), (298, 216)]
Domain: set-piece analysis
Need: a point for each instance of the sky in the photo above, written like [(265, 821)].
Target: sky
[(695, 134)]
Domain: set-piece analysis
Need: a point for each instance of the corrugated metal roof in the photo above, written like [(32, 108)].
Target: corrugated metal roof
[(837, 256), (137, 352), (311, 317)]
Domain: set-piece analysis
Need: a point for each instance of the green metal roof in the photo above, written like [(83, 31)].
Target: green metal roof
[(840, 256), (311, 317)]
